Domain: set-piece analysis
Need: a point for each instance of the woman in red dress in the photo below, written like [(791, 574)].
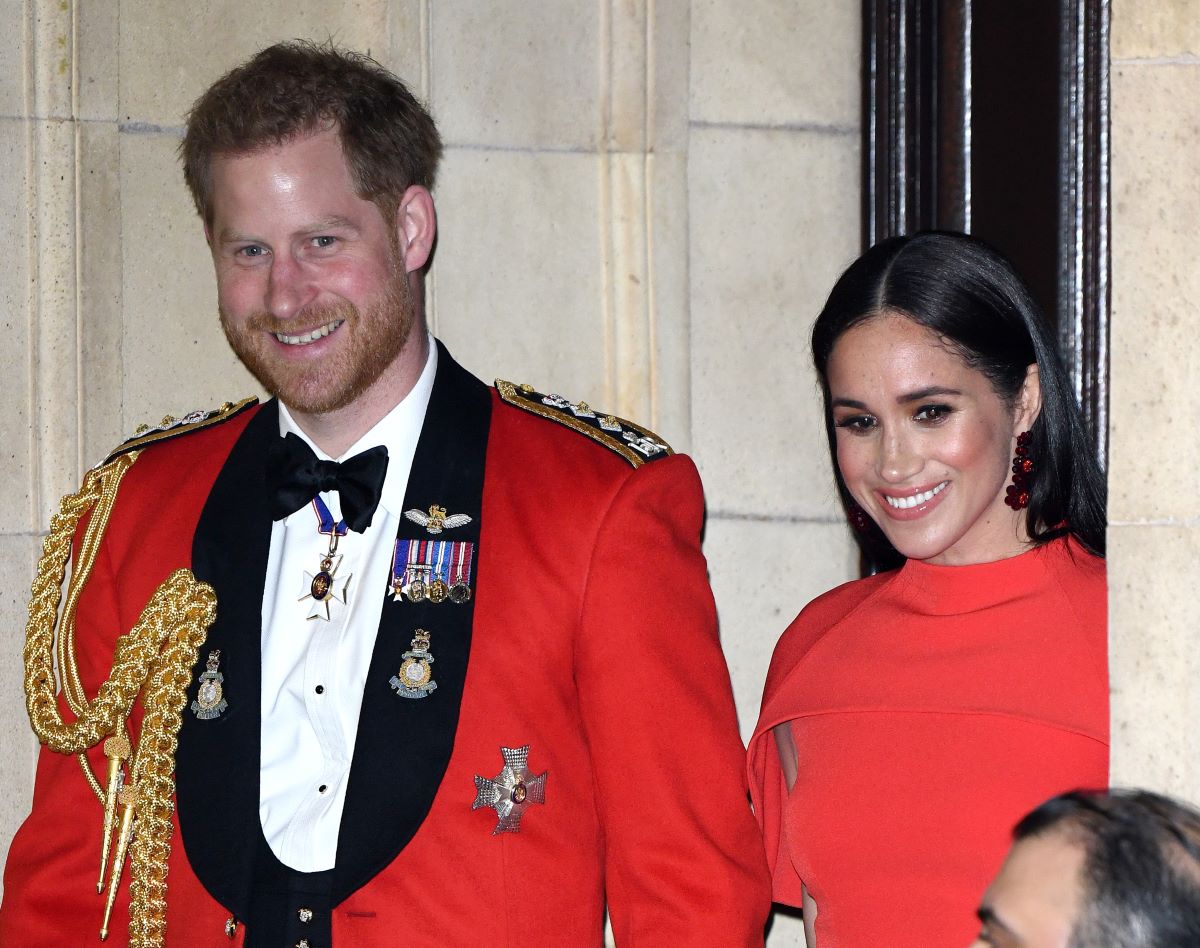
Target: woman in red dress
[(911, 718)]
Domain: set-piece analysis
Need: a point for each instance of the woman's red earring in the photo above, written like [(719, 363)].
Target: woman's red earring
[(1017, 495)]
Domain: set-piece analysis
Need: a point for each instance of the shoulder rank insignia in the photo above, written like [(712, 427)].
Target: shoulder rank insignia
[(635, 444), (171, 427)]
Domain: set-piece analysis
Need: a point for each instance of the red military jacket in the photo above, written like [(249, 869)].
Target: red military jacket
[(590, 638)]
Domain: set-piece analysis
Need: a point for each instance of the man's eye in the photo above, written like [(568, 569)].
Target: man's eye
[(932, 412), (857, 423), (251, 251), (324, 241)]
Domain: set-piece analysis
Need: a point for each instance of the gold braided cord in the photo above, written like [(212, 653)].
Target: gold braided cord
[(155, 658)]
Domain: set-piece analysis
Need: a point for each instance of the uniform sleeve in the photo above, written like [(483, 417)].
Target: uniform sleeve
[(50, 897), (684, 859)]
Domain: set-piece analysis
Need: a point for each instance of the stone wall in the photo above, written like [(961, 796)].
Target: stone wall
[(1154, 504), (643, 203)]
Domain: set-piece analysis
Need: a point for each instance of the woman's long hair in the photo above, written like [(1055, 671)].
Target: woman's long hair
[(969, 295)]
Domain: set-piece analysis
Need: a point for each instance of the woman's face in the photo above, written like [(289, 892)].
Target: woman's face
[(925, 444)]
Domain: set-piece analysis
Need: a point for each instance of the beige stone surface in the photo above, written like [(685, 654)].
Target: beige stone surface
[(12, 59), (773, 223), (1156, 282), (512, 74), (787, 930), (517, 284), (670, 413), (53, 287), (163, 66), (15, 420), (49, 59), (97, 60), (1155, 657), (173, 354), (100, 317), (1156, 29), (763, 62), (763, 573), (17, 743)]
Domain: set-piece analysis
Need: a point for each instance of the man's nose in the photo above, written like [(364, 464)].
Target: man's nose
[(290, 287)]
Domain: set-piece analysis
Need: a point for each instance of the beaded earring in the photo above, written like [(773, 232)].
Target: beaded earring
[(1017, 495), (857, 516)]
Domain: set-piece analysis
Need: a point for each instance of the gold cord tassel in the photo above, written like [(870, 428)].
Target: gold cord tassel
[(155, 658), (116, 749)]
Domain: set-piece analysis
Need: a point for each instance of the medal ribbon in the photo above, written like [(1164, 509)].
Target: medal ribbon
[(447, 560), (325, 524)]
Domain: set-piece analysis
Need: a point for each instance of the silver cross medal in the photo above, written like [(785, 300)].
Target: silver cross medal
[(512, 791)]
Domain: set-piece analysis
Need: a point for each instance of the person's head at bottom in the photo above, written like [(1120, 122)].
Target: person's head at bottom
[(1098, 870)]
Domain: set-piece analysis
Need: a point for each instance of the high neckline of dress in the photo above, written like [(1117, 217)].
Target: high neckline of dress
[(945, 590)]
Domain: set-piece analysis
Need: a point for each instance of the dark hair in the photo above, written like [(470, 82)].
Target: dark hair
[(292, 89), (1141, 872), (969, 295)]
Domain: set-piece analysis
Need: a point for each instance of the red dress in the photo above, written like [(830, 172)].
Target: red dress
[(931, 708)]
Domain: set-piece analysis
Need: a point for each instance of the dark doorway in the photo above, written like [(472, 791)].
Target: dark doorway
[(991, 116)]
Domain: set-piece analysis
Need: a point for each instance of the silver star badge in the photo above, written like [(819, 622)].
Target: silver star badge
[(512, 790)]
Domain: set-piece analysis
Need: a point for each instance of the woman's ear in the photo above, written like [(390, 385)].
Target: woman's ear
[(1029, 400)]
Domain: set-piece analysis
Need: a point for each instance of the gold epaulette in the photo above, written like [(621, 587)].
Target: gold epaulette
[(635, 444), (172, 427)]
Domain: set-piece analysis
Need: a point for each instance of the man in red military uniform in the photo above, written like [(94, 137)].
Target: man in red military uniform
[(463, 685)]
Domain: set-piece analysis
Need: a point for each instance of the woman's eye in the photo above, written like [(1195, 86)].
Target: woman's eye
[(932, 412), (857, 423)]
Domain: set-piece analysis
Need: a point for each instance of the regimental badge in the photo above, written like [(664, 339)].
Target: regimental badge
[(635, 444), (436, 520), (432, 570), (512, 791), (210, 700), (415, 678)]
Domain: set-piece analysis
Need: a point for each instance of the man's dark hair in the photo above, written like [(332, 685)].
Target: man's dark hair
[(1141, 872), (296, 88), (970, 296)]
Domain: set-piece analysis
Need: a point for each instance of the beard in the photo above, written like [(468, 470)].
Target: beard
[(374, 338)]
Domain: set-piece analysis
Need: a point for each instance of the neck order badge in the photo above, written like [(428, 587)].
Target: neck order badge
[(325, 586)]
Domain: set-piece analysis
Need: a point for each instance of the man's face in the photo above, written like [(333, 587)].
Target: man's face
[(1036, 897), (311, 286)]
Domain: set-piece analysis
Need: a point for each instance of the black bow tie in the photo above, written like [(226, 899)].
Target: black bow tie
[(295, 475)]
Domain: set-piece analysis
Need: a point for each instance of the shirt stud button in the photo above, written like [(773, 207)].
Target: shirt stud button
[(303, 943), (305, 914), (320, 689), (322, 788)]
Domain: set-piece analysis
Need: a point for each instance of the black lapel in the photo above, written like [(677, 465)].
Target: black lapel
[(217, 763), (403, 744)]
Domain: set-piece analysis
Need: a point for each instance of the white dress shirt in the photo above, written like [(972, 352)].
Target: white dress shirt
[(313, 670)]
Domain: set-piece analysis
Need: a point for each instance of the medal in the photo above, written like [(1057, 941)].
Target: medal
[(512, 791), (210, 697), (415, 678), (325, 586), (432, 571)]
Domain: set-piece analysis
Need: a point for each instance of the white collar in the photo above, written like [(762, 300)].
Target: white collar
[(398, 431)]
